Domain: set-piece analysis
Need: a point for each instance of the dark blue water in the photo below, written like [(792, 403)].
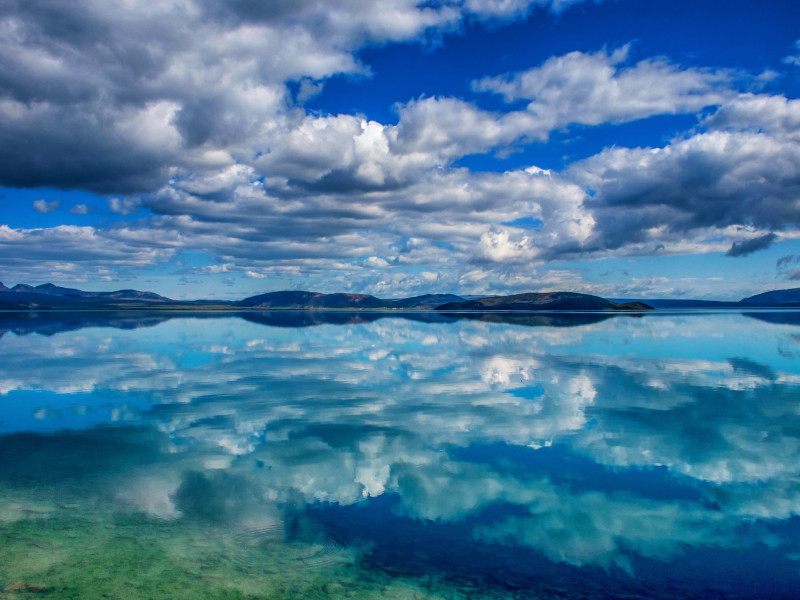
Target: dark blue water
[(364, 455)]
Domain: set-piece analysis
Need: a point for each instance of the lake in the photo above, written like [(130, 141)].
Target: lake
[(415, 455)]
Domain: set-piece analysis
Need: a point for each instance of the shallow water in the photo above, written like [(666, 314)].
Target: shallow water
[(365, 455)]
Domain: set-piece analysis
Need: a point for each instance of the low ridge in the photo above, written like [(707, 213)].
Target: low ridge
[(529, 301), (544, 301), (50, 296), (790, 297), (304, 300)]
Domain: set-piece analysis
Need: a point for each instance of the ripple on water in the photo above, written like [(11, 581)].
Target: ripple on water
[(298, 544)]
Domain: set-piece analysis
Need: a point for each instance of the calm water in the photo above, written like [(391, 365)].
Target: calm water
[(362, 455)]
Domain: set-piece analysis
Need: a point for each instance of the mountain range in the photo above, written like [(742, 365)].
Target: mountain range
[(50, 289), (543, 301), (52, 297)]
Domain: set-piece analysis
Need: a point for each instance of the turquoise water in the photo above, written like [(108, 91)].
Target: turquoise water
[(371, 455)]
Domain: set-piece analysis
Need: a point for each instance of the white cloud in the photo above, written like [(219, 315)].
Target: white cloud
[(376, 261), (793, 59), (121, 93), (125, 206), (599, 88), (773, 115), (81, 209), (710, 182), (223, 162), (75, 252), (43, 206)]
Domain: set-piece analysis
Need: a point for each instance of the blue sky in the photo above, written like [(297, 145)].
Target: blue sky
[(203, 148)]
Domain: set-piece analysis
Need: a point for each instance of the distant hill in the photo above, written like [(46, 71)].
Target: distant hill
[(302, 299), (428, 301), (305, 300), (543, 301), (775, 298), (54, 290), (50, 296)]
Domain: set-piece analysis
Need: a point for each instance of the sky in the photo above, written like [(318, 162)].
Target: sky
[(220, 149)]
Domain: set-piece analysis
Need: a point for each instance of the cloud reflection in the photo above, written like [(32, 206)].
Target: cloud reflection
[(249, 417)]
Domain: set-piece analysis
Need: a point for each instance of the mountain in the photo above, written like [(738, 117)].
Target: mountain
[(49, 296), (427, 301), (300, 300), (3, 288), (54, 290), (48, 288), (543, 301), (316, 300), (551, 301), (23, 287), (774, 298)]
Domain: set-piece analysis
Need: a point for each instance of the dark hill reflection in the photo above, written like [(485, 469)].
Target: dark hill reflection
[(383, 455), (53, 322), (783, 317)]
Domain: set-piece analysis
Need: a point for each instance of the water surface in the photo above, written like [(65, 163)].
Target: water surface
[(364, 455)]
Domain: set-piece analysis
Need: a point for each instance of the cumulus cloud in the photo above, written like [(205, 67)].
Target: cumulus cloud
[(72, 252), (447, 128), (505, 9), (206, 144), (793, 59), (599, 88), (99, 110), (124, 206), (710, 181), (81, 209), (376, 261), (773, 115), (43, 206)]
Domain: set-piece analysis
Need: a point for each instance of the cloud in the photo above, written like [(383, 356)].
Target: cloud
[(81, 209), (43, 206), (699, 194), (72, 253), (112, 97), (759, 113), (710, 181), (746, 247), (789, 259), (448, 128), (598, 88), (206, 148), (507, 9), (793, 59), (124, 206), (376, 261), (577, 88)]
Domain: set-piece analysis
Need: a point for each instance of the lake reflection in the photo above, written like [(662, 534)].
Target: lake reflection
[(363, 455)]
